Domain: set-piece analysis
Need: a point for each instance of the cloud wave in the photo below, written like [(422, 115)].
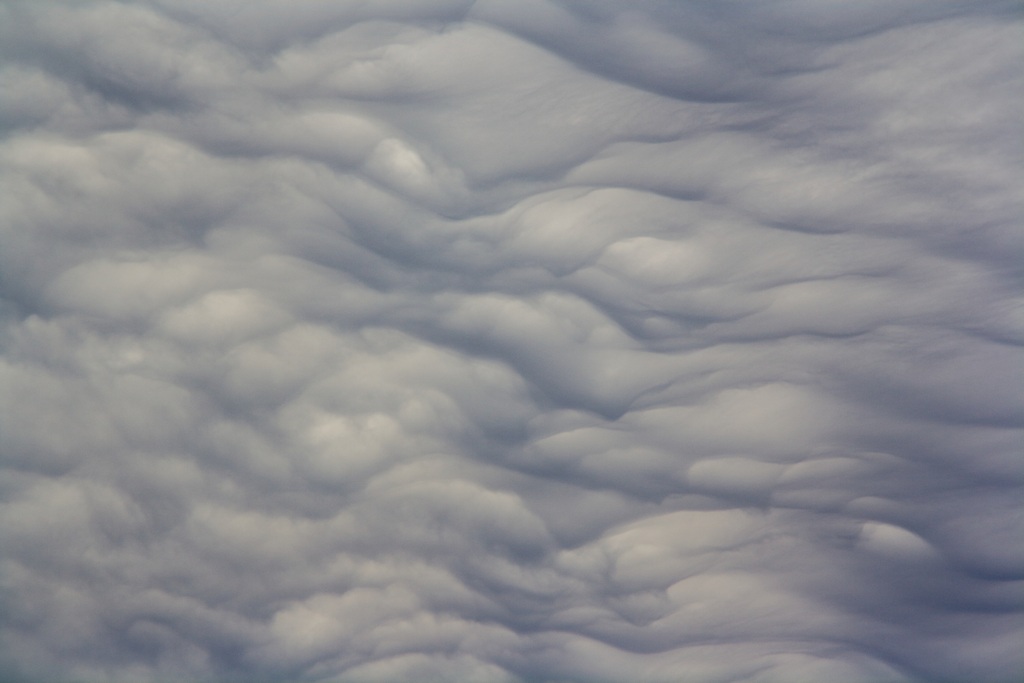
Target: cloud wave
[(511, 341)]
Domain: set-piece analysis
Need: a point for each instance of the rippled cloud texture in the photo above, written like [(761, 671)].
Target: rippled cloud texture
[(511, 341)]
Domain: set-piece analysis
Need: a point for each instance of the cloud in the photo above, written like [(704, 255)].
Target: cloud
[(510, 341)]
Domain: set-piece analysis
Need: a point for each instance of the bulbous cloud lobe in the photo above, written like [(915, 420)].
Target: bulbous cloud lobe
[(511, 341)]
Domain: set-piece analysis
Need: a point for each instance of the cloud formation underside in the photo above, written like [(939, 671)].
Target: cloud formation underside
[(511, 341)]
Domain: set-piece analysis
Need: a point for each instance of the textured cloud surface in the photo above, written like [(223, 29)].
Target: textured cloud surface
[(511, 341)]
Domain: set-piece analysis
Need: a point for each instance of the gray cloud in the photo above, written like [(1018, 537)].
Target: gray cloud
[(510, 341)]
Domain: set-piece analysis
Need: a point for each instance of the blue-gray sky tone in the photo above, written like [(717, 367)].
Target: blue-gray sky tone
[(511, 341)]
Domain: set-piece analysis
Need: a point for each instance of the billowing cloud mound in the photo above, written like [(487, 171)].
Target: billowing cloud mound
[(511, 341)]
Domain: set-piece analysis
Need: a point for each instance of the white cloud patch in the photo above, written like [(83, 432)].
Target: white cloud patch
[(511, 342)]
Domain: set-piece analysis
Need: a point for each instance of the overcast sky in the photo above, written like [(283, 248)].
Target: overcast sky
[(511, 341)]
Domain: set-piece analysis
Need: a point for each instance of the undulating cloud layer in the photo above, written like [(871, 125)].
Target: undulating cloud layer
[(511, 341)]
